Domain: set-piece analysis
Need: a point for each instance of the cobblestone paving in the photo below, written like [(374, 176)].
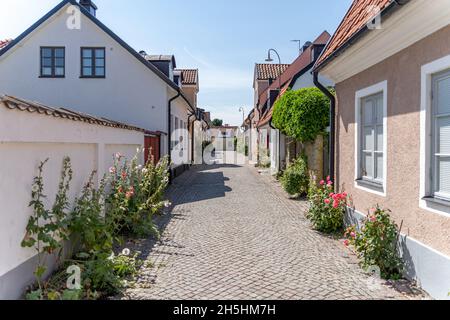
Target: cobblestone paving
[(233, 234)]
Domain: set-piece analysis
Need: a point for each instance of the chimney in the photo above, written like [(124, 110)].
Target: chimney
[(89, 6), (306, 45)]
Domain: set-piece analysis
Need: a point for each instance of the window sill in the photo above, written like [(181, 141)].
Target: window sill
[(52, 77), (441, 202), (370, 185), (82, 77)]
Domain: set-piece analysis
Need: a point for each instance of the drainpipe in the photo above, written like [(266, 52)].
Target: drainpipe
[(332, 123), (191, 126), (279, 144), (169, 131)]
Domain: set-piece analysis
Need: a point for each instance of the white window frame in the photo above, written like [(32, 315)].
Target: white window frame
[(426, 114), (378, 88)]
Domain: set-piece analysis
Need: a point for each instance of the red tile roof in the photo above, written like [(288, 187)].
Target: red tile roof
[(266, 71), (302, 62), (189, 76), (356, 19), (4, 43)]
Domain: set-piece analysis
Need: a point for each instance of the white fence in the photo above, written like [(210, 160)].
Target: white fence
[(27, 137)]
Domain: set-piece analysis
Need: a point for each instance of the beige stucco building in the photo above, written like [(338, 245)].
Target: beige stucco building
[(392, 78)]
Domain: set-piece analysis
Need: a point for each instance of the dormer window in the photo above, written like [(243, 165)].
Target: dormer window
[(93, 63), (53, 62)]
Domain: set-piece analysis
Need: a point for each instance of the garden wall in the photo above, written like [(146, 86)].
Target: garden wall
[(29, 135)]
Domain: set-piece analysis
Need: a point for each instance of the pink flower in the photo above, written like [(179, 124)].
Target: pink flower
[(330, 183), (346, 243), (353, 235), (112, 170), (118, 155), (335, 204), (328, 178), (327, 201), (124, 175), (322, 182), (345, 194), (332, 195), (120, 190), (372, 218)]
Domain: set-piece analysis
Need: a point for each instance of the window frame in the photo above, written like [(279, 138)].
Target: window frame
[(53, 66), (427, 199), (93, 65), (434, 176), (376, 186)]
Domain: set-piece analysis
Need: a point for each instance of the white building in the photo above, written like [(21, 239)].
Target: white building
[(70, 58)]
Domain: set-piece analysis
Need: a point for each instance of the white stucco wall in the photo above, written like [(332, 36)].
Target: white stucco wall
[(306, 81), (28, 138), (130, 93)]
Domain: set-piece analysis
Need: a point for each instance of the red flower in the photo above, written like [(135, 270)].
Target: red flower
[(331, 195), (322, 182), (327, 201), (124, 175), (335, 204), (346, 243), (120, 190)]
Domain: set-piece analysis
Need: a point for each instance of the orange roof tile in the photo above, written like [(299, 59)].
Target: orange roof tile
[(266, 71), (357, 17), (189, 76)]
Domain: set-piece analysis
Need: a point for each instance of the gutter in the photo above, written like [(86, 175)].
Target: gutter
[(191, 126), (390, 9), (332, 146), (279, 144), (169, 129)]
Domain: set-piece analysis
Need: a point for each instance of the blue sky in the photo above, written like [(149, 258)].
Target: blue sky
[(222, 38)]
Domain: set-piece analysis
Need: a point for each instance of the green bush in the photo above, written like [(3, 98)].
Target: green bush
[(295, 179), (326, 208), (302, 114), (377, 243)]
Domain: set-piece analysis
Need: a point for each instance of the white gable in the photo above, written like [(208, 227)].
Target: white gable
[(130, 93)]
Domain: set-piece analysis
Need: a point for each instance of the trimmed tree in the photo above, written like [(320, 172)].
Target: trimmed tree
[(302, 114)]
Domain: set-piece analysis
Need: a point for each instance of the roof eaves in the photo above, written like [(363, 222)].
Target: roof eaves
[(97, 22), (388, 10)]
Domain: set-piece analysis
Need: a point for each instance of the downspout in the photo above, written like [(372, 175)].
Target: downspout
[(279, 144), (191, 126), (169, 131), (332, 146)]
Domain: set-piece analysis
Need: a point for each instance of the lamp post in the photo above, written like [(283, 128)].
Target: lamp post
[(241, 109), (269, 59)]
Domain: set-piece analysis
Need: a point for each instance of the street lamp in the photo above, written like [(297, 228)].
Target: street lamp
[(269, 59), (241, 109)]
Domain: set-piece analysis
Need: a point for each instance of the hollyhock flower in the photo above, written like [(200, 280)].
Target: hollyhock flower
[(322, 182), (331, 195), (346, 243), (129, 195), (124, 174), (330, 183), (118, 156), (112, 170), (120, 190), (328, 178), (345, 194), (335, 204), (372, 218), (327, 201), (353, 235)]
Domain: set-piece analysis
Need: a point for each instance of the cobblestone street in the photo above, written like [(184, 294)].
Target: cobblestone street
[(233, 234)]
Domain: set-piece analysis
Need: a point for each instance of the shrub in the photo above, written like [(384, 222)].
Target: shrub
[(136, 196), (327, 208), (295, 179), (302, 114), (377, 243)]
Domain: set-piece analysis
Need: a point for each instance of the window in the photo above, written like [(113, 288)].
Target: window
[(440, 133), (93, 63), (371, 133), (52, 62), (371, 139)]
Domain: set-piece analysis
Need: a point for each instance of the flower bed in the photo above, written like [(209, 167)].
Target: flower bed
[(124, 204)]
